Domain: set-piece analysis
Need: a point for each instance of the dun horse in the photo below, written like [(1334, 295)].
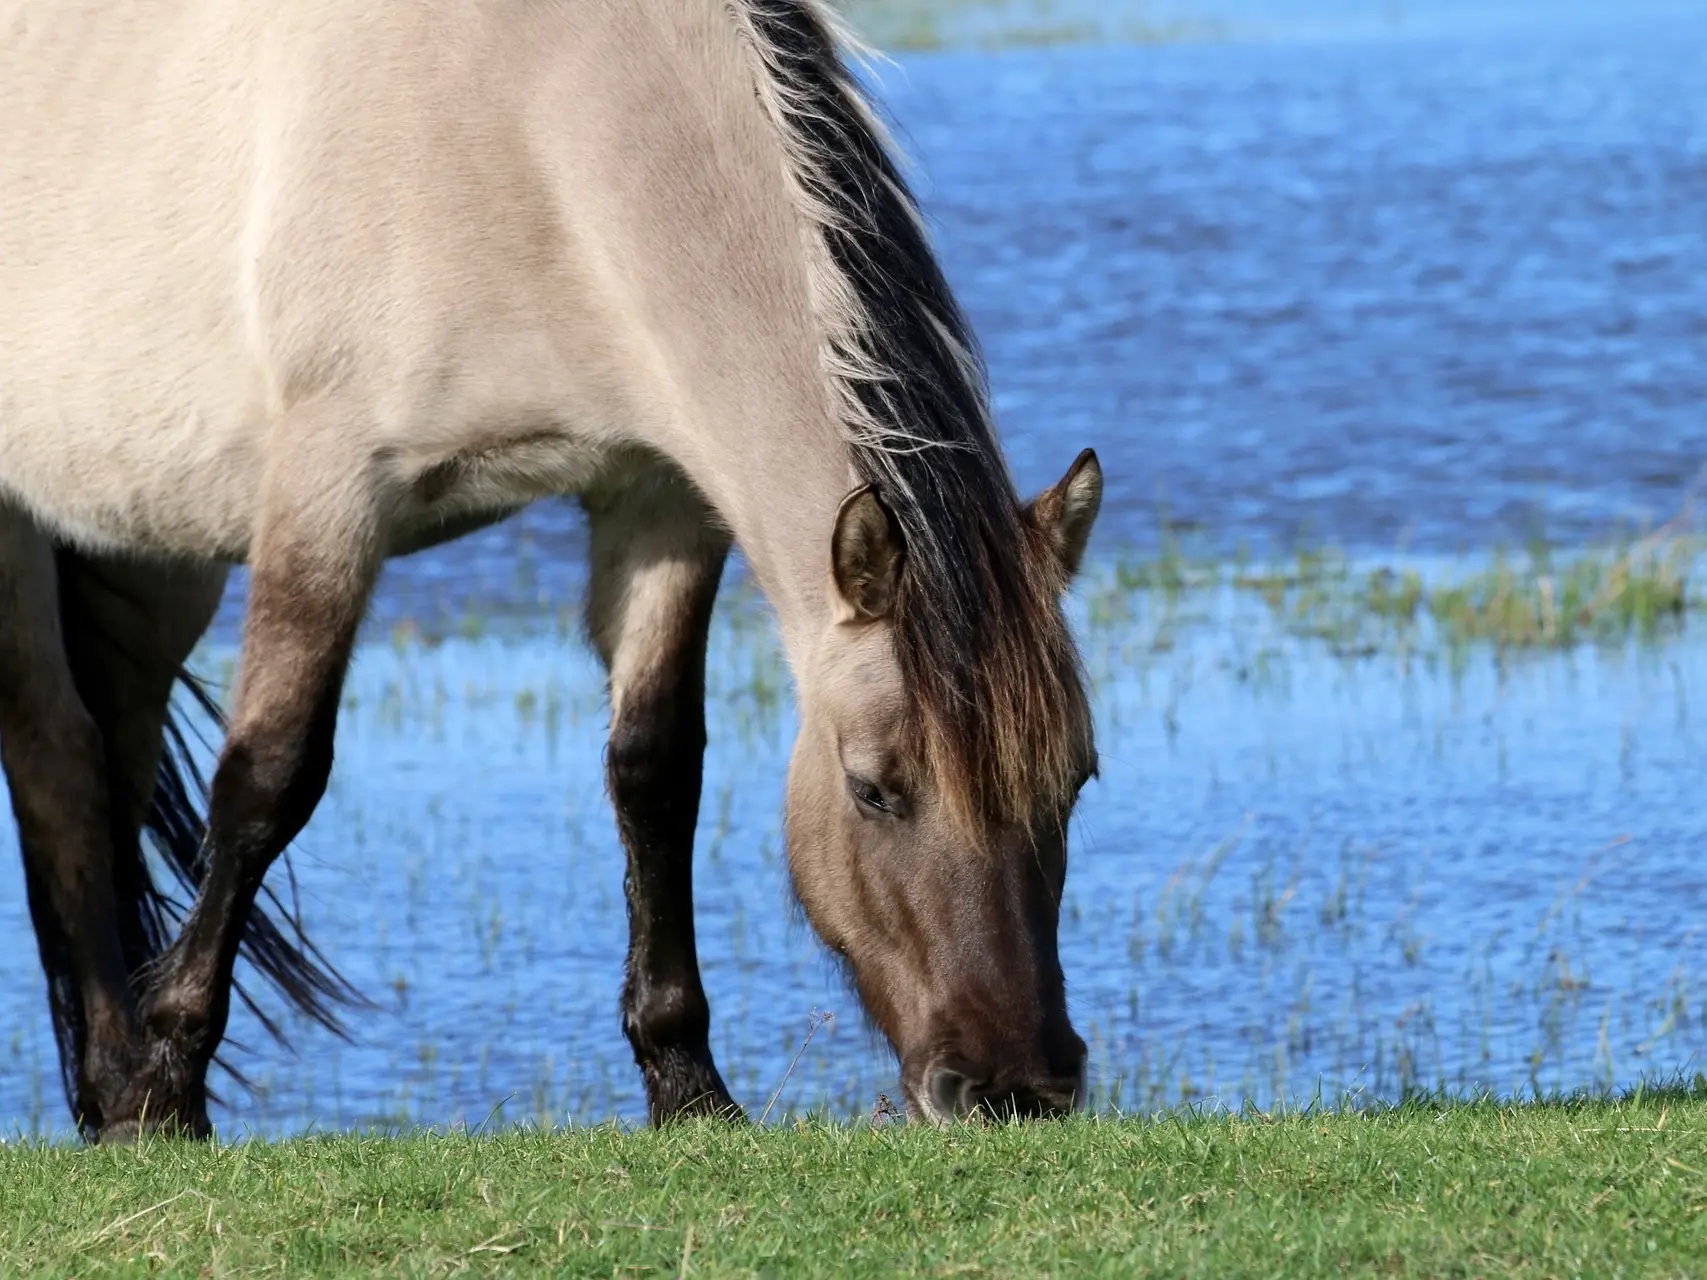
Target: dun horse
[(309, 284)]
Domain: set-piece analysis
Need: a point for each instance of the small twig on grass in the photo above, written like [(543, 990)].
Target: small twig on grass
[(111, 1227), (492, 1246), (817, 1020)]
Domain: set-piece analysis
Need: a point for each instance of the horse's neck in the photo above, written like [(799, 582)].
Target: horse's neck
[(778, 490), (723, 346)]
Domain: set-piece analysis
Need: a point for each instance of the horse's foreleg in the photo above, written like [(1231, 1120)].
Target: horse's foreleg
[(56, 767), (657, 559), (312, 569)]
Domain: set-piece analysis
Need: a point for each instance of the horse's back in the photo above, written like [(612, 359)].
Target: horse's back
[(211, 211)]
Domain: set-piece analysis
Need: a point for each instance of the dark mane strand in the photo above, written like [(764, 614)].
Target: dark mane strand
[(999, 704)]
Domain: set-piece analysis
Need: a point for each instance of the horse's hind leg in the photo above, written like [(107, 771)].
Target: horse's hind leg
[(313, 563), (657, 561), (129, 628), (56, 768)]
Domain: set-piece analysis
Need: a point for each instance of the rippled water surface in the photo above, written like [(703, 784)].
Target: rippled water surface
[(1419, 285)]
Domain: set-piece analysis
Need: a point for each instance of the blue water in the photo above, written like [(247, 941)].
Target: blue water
[(1419, 284), (1431, 290)]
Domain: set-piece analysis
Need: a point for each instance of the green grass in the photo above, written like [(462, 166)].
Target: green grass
[(1590, 1188)]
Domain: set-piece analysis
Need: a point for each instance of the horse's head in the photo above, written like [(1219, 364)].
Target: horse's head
[(927, 840)]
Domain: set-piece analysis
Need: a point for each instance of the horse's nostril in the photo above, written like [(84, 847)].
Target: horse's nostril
[(951, 1093)]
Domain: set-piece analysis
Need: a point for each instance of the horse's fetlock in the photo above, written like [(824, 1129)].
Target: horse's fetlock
[(669, 1017), (681, 1085), (175, 1015)]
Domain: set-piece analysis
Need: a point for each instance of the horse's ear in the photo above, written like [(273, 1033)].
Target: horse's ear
[(865, 558), (1065, 513)]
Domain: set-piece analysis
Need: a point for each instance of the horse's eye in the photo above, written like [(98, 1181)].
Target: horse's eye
[(1085, 776), (868, 796)]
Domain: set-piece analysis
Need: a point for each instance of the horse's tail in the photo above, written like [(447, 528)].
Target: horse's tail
[(274, 939)]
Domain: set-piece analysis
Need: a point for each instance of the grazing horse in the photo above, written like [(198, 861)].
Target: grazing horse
[(309, 284)]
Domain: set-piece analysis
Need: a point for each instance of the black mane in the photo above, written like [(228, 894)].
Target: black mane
[(978, 630)]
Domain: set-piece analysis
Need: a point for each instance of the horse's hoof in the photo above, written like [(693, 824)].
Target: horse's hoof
[(126, 1133), (115, 1135), (707, 1107), (684, 1087)]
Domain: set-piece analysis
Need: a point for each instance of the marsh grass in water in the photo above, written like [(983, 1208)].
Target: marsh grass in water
[(1541, 599), (1544, 598), (922, 25), (1577, 1187)]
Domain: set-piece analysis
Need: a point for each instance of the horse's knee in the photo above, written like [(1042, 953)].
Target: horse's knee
[(266, 789), (655, 755)]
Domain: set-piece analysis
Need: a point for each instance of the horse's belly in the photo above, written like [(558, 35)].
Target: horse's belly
[(178, 487)]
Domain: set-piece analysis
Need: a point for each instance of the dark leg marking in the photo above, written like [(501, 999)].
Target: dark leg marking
[(56, 771), (657, 562)]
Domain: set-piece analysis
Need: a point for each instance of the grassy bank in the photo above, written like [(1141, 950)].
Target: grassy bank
[(1563, 1189)]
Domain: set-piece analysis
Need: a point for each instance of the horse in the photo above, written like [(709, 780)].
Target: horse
[(309, 285)]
